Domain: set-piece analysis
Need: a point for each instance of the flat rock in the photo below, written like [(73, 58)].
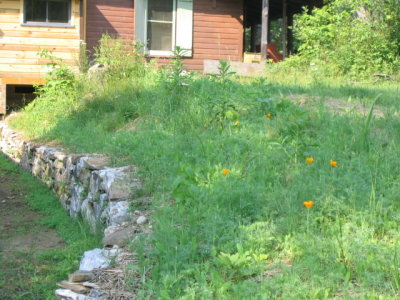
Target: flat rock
[(120, 236), (75, 287), (80, 276), (65, 294), (97, 162)]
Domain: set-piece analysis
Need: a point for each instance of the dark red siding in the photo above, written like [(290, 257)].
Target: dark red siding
[(115, 17), (217, 30)]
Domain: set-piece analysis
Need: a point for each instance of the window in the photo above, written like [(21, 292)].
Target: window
[(160, 25), (47, 12)]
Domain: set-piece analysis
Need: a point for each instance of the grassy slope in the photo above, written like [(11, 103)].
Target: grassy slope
[(27, 274), (247, 235)]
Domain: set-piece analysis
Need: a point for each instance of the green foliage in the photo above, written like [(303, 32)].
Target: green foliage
[(120, 58), (177, 77), (350, 38), (225, 73), (59, 79)]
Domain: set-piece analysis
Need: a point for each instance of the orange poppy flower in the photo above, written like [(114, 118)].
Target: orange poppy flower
[(308, 204), (225, 172), (309, 160), (333, 163), (237, 123)]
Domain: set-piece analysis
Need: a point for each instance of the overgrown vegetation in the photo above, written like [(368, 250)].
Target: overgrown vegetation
[(28, 273), (229, 163), (346, 38)]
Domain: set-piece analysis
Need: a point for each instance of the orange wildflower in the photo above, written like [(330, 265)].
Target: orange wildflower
[(225, 172), (268, 115), (309, 160), (308, 204), (237, 123), (333, 163)]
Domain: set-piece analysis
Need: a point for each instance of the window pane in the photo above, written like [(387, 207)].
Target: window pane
[(160, 10), (35, 11), (58, 11), (159, 36)]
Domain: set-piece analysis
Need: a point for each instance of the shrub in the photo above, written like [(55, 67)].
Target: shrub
[(352, 38)]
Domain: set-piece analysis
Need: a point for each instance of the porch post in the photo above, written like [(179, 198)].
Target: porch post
[(284, 29), (290, 33), (264, 29)]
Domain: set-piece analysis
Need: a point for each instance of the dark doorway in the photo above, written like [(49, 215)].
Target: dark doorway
[(18, 95)]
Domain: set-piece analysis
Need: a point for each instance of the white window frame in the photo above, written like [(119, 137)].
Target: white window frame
[(182, 34), (161, 52), (47, 24)]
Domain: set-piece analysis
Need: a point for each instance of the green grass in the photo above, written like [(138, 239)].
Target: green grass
[(247, 235), (33, 275)]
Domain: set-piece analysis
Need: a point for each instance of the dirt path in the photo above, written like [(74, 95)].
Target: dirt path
[(22, 239)]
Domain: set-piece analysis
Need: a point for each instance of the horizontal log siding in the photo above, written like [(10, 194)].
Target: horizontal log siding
[(217, 31), (115, 17), (19, 45)]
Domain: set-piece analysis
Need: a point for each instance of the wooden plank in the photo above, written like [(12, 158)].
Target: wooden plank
[(37, 48), (16, 26), (13, 74), (29, 61), (264, 29), (39, 34), (39, 41), (10, 11), (21, 80)]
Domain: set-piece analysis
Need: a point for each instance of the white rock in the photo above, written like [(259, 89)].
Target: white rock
[(63, 294), (118, 212), (96, 259), (141, 220), (76, 200)]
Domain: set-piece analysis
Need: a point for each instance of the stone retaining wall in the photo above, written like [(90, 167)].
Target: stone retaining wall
[(85, 184)]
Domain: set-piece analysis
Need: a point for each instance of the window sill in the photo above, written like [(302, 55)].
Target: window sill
[(40, 24), (166, 54)]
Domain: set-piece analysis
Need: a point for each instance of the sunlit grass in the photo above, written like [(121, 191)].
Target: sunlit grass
[(239, 210)]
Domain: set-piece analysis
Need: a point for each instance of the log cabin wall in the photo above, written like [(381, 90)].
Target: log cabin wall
[(115, 17), (217, 31), (217, 27), (19, 45)]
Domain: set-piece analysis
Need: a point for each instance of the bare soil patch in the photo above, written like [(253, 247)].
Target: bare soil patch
[(22, 239)]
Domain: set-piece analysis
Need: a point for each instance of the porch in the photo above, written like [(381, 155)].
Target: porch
[(268, 27)]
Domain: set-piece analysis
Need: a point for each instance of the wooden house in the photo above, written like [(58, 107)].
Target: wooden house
[(206, 29)]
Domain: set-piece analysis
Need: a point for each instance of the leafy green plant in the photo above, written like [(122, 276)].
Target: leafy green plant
[(120, 59), (60, 78), (177, 76), (225, 73), (349, 38)]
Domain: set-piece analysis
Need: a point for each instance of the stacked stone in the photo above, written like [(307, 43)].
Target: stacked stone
[(86, 186)]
